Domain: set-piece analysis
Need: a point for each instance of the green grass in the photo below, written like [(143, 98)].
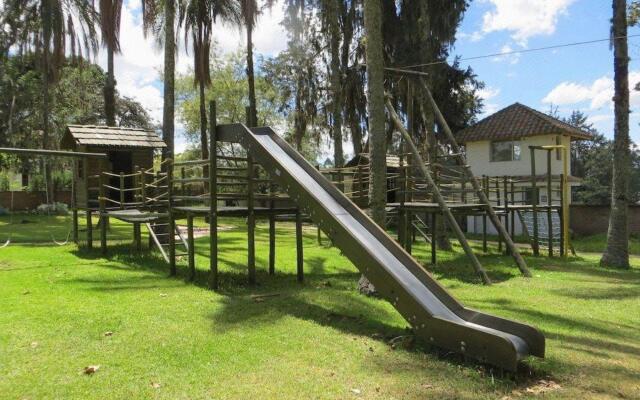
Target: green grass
[(317, 340)]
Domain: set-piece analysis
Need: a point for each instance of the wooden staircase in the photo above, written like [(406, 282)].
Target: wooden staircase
[(158, 232)]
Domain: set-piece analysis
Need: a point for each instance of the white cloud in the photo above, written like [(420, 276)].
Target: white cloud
[(598, 94), (524, 18), (512, 58), (486, 95)]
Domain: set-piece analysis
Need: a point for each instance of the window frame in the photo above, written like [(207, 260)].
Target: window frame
[(515, 156)]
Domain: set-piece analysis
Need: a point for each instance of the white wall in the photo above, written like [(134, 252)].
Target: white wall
[(479, 158)]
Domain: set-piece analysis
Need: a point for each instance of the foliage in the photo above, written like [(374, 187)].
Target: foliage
[(5, 182), (76, 99), (229, 91), (591, 160)]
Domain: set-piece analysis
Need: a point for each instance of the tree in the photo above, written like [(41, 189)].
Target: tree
[(110, 11), (229, 90), (159, 18), (48, 27), (616, 253), (198, 17), (375, 91), (249, 11)]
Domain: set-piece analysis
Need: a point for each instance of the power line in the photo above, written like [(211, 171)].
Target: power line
[(507, 53)]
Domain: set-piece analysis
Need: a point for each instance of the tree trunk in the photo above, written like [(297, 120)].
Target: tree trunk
[(204, 143), (168, 111), (377, 134), (617, 251), (336, 86), (109, 90), (251, 78), (45, 102)]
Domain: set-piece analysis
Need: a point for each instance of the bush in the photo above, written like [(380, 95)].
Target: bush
[(53, 209), (4, 212), (5, 182)]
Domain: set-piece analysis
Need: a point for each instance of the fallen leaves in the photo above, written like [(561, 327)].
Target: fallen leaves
[(405, 341), (108, 333), (156, 385), (34, 345), (91, 369), (356, 391), (259, 298), (163, 295), (539, 388)]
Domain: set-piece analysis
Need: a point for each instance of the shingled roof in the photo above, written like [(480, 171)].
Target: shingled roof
[(518, 121), (111, 136)]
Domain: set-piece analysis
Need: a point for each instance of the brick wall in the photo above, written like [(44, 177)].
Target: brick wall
[(23, 201), (590, 220)]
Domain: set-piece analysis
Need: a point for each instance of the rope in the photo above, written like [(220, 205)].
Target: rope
[(46, 190)]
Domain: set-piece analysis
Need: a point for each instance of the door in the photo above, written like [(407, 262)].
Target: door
[(121, 162)]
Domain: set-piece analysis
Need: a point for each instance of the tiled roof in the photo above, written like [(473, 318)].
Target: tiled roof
[(113, 136), (518, 121)]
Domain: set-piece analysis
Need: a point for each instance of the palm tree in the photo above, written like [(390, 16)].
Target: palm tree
[(198, 17), (617, 251), (48, 27), (110, 25), (249, 11), (158, 18)]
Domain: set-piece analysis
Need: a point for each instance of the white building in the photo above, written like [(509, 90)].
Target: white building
[(499, 146)]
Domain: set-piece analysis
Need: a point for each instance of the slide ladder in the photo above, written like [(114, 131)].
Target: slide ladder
[(160, 237), (435, 316)]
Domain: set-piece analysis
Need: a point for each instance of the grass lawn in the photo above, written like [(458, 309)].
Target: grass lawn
[(176, 340)]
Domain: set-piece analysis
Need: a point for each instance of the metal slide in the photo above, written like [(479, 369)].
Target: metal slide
[(434, 314)]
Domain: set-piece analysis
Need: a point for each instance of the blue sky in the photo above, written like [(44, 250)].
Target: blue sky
[(571, 78)]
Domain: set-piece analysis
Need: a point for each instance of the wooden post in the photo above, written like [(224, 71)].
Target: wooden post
[(251, 222), (299, 247), (534, 202), (410, 163), (506, 208), (103, 217), (498, 202), (192, 250), (485, 184), (89, 230), (213, 198), (74, 200), (434, 250), (137, 236), (122, 190), (521, 263), (171, 228), (143, 188), (549, 195), (563, 251), (402, 221), (272, 231), (513, 213)]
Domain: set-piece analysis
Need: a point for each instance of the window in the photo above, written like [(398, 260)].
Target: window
[(505, 151)]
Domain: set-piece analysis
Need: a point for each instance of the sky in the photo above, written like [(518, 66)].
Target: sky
[(569, 78)]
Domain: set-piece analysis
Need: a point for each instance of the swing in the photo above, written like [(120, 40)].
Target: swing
[(46, 189)]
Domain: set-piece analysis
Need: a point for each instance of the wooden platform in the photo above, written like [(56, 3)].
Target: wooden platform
[(136, 216), (233, 211)]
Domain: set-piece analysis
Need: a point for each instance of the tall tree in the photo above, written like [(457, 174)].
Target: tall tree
[(49, 28), (249, 11), (159, 19), (375, 91), (616, 253), (198, 17), (332, 12), (110, 11)]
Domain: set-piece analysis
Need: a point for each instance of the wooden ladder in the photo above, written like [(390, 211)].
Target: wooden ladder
[(160, 237)]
